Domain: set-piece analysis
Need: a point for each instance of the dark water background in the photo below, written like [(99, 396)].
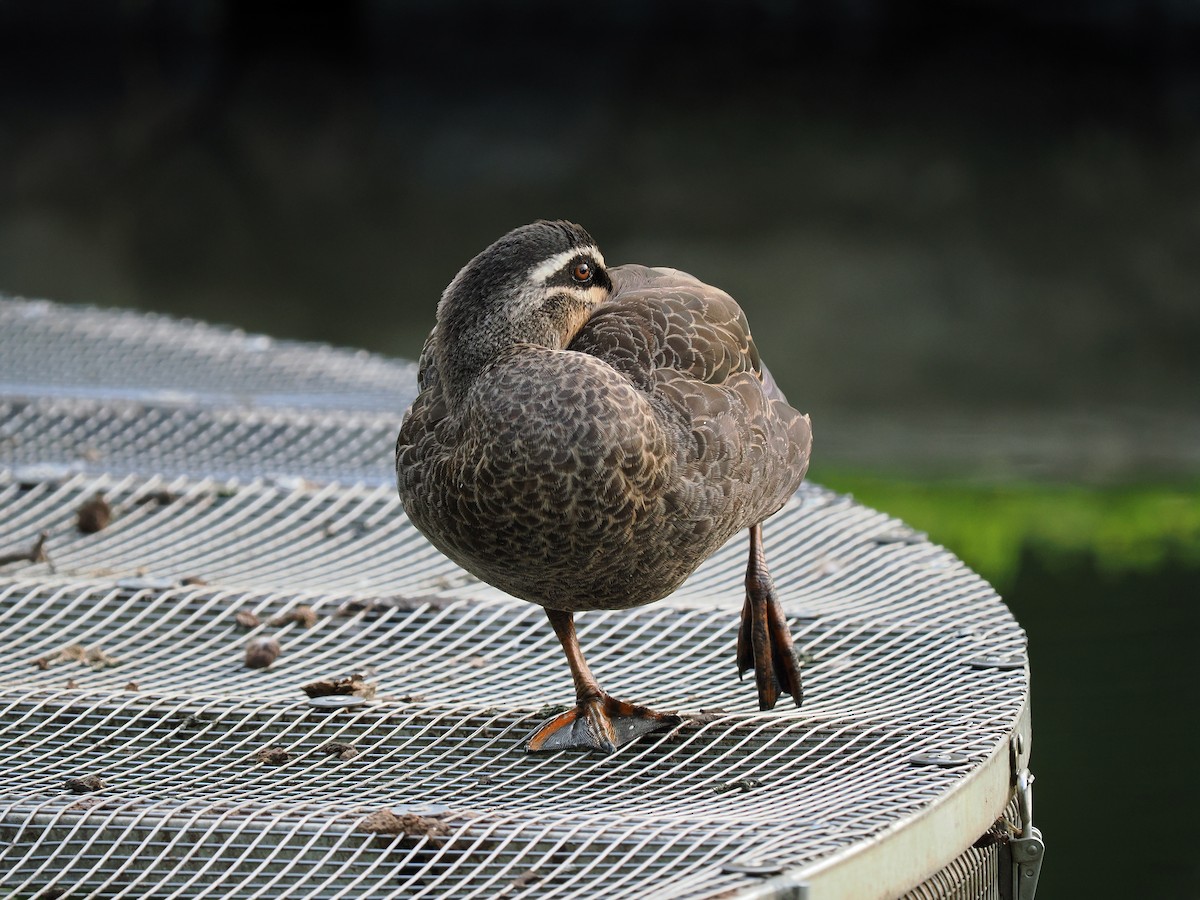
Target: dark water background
[(968, 242)]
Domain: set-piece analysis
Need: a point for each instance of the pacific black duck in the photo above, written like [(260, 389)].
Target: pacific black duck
[(585, 437)]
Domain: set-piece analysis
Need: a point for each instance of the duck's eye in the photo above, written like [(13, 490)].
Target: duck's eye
[(582, 272)]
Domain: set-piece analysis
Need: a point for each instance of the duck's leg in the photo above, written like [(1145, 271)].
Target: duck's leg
[(598, 721), (764, 641)]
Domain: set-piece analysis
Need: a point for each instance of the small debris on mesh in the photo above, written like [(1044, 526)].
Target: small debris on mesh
[(132, 686), (411, 698), (291, 483), (35, 554), (354, 607), (272, 755), (738, 784), (354, 529), (423, 601), (159, 498), (69, 653), (403, 604), (302, 615), (384, 821), (353, 684), (525, 878), (84, 785), (86, 802), (900, 535), (71, 685), (828, 566), (92, 656), (474, 662), (550, 709), (193, 581), (261, 652), (247, 618), (339, 749), (692, 722), (144, 581), (93, 515), (98, 659)]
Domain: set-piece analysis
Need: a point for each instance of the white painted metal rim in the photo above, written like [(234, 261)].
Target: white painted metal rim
[(912, 849)]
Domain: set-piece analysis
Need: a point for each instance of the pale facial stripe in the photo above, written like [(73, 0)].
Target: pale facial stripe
[(556, 262)]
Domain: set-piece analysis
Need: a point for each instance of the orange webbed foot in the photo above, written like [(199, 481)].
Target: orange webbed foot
[(598, 723)]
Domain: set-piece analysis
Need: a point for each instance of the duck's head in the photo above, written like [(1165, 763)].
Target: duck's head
[(536, 285)]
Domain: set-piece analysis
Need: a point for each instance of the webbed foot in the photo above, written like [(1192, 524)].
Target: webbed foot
[(764, 639), (598, 723)]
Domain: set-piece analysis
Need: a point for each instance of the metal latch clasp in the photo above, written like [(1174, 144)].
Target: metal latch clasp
[(1028, 849)]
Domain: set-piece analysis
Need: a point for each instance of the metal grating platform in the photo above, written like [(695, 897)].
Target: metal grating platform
[(249, 474)]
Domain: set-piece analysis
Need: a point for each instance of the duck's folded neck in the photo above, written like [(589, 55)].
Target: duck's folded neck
[(467, 344)]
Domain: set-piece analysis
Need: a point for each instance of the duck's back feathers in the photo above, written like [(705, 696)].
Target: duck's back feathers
[(665, 320), (688, 344)]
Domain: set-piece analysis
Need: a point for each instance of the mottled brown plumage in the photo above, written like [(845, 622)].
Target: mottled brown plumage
[(587, 443)]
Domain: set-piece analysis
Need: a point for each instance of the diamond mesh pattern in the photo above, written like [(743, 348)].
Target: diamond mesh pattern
[(245, 474)]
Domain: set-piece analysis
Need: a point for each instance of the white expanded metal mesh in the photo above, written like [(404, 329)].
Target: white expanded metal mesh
[(245, 475)]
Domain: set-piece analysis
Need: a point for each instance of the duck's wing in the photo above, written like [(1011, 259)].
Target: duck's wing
[(744, 450), (666, 320)]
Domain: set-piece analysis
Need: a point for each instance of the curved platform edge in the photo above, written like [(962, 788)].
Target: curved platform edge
[(904, 856)]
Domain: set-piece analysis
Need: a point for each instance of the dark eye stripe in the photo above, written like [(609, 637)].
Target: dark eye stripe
[(565, 277)]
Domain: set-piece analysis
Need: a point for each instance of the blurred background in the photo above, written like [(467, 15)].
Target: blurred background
[(967, 237)]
